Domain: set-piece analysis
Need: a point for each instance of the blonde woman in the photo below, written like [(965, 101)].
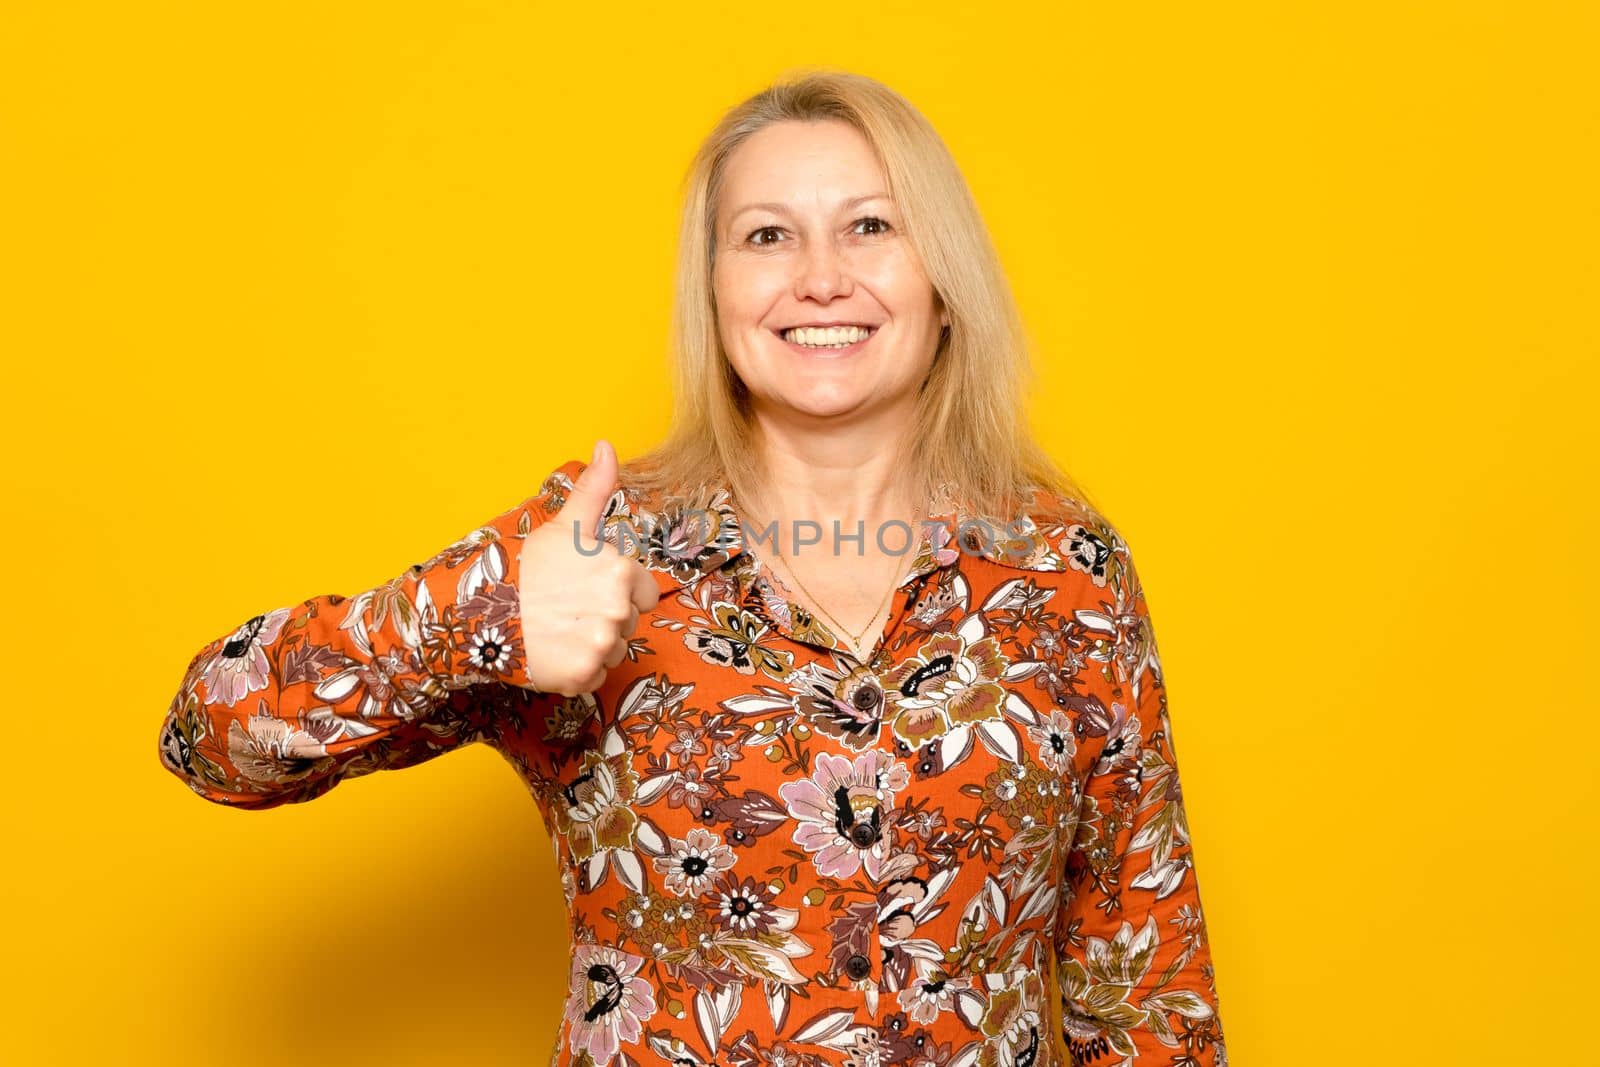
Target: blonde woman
[(842, 706)]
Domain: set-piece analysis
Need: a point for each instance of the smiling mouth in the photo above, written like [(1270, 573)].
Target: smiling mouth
[(828, 351)]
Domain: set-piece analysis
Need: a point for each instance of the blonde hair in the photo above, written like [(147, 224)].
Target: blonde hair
[(970, 434)]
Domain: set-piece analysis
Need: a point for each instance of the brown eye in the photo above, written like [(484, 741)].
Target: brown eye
[(756, 233), (874, 218)]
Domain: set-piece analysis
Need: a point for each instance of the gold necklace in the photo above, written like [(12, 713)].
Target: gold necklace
[(855, 638)]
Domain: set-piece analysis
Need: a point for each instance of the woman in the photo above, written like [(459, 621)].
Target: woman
[(815, 800)]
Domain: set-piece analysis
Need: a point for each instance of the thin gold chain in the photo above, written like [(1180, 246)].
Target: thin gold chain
[(855, 638)]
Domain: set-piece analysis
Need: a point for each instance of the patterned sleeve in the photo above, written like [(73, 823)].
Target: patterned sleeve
[(1133, 960), (295, 700)]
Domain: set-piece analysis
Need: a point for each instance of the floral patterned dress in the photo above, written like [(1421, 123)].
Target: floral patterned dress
[(774, 854)]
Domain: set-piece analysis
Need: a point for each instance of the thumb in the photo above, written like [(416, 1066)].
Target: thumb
[(587, 501)]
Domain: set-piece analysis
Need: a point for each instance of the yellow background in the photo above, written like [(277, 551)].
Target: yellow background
[(294, 295)]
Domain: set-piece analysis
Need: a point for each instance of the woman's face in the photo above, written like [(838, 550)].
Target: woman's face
[(806, 234)]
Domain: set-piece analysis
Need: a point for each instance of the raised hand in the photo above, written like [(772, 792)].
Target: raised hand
[(580, 607)]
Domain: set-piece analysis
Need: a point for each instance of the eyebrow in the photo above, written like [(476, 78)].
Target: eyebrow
[(783, 209)]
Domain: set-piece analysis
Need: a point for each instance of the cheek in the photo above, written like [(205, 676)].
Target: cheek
[(898, 280), (745, 289)]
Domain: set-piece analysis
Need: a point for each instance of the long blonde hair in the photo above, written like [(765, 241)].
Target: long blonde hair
[(970, 434)]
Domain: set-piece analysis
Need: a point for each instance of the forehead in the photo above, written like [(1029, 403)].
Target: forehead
[(801, 164)]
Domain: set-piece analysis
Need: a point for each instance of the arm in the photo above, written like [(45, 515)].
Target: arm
[(1133, 960), (296, 700)]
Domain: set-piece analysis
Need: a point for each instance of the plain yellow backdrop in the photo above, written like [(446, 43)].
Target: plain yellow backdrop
[(294, 295)]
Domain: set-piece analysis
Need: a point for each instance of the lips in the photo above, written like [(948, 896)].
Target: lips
[(807, 326)]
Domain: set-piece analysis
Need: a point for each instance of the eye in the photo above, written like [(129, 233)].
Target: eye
[(754, 236)]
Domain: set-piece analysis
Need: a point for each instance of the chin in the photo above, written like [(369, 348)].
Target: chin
[(826, 406)]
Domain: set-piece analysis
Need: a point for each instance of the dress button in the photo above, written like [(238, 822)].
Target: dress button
[(862, 834), (858, 966), (866, 698)]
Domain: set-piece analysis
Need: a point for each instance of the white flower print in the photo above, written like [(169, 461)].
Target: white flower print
[(490, 650), (1053, 735), (694, 861)]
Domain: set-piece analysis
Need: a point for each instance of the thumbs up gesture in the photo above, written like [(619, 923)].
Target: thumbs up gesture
[(580, 607)]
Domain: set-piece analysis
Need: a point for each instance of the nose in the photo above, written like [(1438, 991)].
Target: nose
[(820, 273)]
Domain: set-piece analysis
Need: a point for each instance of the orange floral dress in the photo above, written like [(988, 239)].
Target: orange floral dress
[(775, 854)]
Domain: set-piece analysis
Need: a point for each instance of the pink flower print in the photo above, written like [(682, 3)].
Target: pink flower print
[(841, 795), (1086, 550), (1120, 756), (941, 542), (273, 751), (240, 666), (607, 1002)]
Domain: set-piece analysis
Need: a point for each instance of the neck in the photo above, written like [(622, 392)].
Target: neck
[(849, 476)]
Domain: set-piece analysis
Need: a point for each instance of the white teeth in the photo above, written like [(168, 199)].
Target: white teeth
[(827, 337)]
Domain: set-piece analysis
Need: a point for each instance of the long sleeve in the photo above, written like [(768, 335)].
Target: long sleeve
[(1133, 959), (295, 700)]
